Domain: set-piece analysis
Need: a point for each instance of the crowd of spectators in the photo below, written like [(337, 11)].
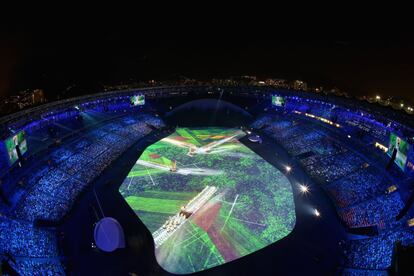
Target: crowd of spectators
[(376, 252), (52, 186), (309, 138), (29, 266), (380, 211), (334, 166), (357, 188), (346, 271), (21, 239), (323, 157)]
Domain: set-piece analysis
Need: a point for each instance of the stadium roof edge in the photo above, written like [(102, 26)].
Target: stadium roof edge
[(378, 111)]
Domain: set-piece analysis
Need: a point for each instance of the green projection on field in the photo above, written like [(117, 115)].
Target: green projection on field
[(208, 199)]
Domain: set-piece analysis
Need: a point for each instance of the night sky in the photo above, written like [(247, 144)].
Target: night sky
[(85, 55)]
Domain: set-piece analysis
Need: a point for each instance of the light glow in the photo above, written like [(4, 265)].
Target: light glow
[(324, 120), (381, 146), (304, 189)]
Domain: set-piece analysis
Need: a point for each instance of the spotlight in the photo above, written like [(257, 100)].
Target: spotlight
[(316, 212), (304, 189), (288, 168)]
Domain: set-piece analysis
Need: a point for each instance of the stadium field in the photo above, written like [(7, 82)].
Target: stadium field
[(251, 204)]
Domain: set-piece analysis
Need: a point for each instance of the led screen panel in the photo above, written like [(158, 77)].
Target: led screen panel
[(11, 143), (278, 100), (138, 100), (402, 150)]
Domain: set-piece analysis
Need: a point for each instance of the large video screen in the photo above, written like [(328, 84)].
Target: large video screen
[(402, 150), (278, 100), (208, 199), (138, 100), (11, 143)]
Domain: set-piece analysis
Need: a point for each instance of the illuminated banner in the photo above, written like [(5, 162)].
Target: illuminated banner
[(138, 100), (11, 143), (402, 148), (278, 100)]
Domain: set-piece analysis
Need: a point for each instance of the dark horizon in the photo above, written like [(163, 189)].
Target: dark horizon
[(88, 57)]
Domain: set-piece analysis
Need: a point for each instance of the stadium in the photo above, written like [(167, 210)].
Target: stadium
[(212, 179)]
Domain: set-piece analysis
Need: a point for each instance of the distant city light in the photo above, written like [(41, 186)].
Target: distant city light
[(316, 212), (378, 97), (303, 188), (402, 105)]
